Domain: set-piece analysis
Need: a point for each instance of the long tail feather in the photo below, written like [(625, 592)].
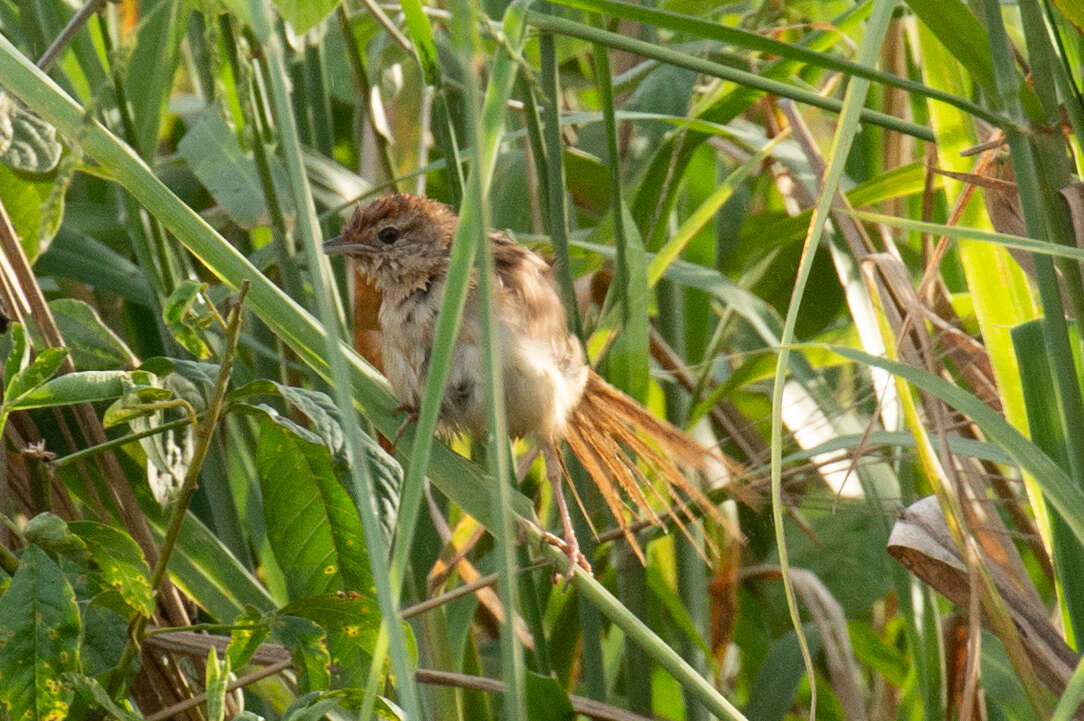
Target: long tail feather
[(608, 431)]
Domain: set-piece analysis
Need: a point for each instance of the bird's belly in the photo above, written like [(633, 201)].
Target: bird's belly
[(541, 384)]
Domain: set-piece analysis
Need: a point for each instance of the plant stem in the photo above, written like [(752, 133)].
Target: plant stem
[(204, 435)]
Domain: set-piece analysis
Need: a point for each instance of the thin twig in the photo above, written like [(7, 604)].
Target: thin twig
[(204, 435), (464, 590), (79, 455), (580, 704), (74, 25), (178, 708), (389, 26)]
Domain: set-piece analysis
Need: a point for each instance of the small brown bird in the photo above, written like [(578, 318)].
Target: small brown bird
[(402, 244)]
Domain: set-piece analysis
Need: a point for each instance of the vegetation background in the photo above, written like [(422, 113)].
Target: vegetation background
[(837, 238)]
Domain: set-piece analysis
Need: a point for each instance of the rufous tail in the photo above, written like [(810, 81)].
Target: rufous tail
[(608, 432)]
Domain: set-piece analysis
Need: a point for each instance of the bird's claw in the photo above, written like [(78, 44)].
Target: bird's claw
[(575, 557), (411, 417)]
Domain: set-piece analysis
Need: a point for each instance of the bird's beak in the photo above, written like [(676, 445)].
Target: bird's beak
[(339, 245)]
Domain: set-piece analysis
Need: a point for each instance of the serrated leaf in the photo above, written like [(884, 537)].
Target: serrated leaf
[(121, 562), (40, 638), (34, 208), (181, 318), (215, 682), (245, 641), (27, 142), (34, 147), (170, 452), (93, 692), (49, 531), (93, 346), (307, 644), (312, 523), (303, 15), (385, 471)]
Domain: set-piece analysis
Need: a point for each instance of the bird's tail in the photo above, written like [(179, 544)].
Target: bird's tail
[(608, 432)]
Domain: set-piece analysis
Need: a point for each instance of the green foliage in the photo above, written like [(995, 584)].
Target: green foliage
[(41, 633), (680, 162)]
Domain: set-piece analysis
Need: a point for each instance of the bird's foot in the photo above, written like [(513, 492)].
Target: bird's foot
[(411, 417), (571, 548)]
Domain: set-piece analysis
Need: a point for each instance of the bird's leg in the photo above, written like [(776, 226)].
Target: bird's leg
[(411, 416), (570, 545)]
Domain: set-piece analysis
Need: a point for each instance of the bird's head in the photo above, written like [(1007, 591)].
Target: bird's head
[(400, 241)]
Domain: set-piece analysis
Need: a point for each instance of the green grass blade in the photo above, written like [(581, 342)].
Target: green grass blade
[(331, 315), (725, 72), (1062, 493), (769, 46), (841, 144)]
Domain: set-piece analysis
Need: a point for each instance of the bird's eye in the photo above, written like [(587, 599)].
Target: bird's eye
[(388, 235)]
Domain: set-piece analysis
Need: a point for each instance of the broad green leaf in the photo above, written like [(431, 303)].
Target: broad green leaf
[(137, 403), (216, 679), (82, 258), (40, 637), (323, 414), (245, 641), (93, 346), (79, 387), (18, 356), (93, 692), (208, 573), (547, 700), (352, 614), (35, 206), (120, 561), (212, 152), (312, 524), (304, 15), (21, 385), (881, 656), (182, 320), (307, 644), (352, 621), (191, 380), (776, 683), (50, 532), (27, 143)]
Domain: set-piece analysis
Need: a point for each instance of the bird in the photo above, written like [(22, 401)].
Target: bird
[(401, 246)]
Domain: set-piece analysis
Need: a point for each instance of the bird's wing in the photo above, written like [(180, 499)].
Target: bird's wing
[(529, 293)]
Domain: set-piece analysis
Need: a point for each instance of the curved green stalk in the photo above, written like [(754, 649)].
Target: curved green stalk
[(841, 145)]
